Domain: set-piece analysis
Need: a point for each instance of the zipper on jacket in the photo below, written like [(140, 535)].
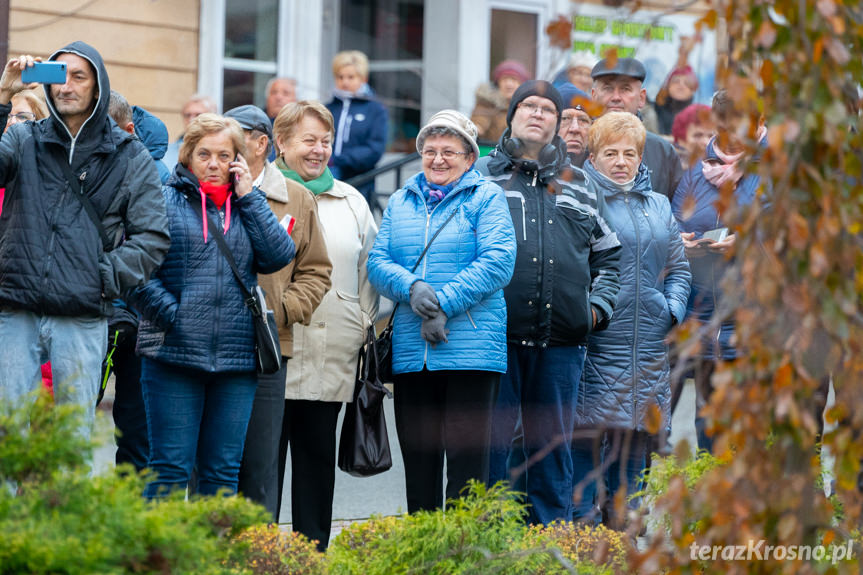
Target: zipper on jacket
[(523, 220), (635, 307), (346, 106), (470, 318)]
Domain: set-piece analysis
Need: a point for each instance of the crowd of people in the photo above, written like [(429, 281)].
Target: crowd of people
[(535, 287)]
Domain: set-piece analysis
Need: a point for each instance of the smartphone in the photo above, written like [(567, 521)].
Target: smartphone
[(716, 235), (45, 73), (234, 174)]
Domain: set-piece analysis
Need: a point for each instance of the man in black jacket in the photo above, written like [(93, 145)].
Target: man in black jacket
[(62, 261), (617, 85), (565, 286)]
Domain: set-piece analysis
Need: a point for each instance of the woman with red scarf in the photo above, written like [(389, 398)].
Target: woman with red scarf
[(196, 336)]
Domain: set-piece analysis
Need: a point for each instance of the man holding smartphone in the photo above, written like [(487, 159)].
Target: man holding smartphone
[(83, 222)]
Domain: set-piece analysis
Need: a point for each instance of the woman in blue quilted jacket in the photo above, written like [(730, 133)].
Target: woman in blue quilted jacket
[(196, 336), (449, 338), (626, 382)]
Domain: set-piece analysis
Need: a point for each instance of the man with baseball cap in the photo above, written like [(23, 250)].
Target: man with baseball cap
[(293, 293), (617, 85), (565, 286)]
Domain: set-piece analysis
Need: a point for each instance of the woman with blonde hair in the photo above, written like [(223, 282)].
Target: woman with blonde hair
[(360, 121), (626, 372), (27, 106), (323, 366), (196, 337)]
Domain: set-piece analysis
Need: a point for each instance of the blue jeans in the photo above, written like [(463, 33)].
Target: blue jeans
[(612, 459), (75, 346), (541, 385), (195, 418)]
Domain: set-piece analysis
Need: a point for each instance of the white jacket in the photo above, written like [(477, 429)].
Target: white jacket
[(323, 367)]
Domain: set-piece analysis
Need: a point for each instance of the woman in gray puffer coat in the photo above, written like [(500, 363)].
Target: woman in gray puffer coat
[(626, 373)]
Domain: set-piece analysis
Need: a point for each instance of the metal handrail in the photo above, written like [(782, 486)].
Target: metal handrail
[(394, 165), (375, 202)]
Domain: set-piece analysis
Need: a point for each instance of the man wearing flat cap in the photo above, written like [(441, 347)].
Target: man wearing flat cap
[(617, 85), (293, 293), (564, 287)]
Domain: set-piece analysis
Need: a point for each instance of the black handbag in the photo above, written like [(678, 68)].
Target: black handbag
[(364, 445), (384, 341), (268, 351)]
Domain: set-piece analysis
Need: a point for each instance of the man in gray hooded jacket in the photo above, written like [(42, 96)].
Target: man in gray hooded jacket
[(62, 262)]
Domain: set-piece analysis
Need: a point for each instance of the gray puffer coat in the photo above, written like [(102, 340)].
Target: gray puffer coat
[(626, 369)]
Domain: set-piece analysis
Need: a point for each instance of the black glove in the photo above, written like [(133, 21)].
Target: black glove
[(423, 300), (434, 329)]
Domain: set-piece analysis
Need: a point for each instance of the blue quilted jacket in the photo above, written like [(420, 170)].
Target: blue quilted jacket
[(626, 369), (192, 309), (468, 265)]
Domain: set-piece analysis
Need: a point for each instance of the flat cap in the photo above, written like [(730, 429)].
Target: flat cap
[(622, 67)]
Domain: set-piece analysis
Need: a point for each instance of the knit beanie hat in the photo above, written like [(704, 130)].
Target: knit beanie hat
[(569, 93), (530, 88), (455, 121), (512, 68)]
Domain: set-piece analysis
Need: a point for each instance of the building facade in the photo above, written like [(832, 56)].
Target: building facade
[(425, 55)]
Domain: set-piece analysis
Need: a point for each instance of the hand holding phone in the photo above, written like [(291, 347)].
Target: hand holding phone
[(11, 81), (45, 73)]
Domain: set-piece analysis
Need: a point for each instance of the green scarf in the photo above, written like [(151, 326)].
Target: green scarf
[(319, 185)]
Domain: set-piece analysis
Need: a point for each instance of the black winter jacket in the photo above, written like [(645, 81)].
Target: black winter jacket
[(567, 259), (52, 260)]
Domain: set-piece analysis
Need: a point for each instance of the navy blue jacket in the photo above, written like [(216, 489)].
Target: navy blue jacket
[(626, 369), (695, 209), (52, 260), (361, 136), (154, 135), (192, 309)]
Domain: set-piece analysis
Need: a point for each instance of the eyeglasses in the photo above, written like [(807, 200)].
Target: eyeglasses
[(446, 154), (531, 109), (568, 119), (23, 117)]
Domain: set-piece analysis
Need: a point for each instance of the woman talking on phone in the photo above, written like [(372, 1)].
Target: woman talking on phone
[(196, 337)]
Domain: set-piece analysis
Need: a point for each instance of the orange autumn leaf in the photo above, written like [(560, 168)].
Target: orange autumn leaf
[(653, 419), (782, 377), (559, 32)]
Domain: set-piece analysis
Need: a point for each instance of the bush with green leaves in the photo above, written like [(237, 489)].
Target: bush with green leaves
[(484, 532), (56, 517)]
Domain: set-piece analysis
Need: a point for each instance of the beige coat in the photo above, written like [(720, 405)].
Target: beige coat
[(324, 364), (295, 291)]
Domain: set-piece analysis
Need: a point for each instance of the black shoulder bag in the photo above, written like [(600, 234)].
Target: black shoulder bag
[(268, 353), (384, 342)]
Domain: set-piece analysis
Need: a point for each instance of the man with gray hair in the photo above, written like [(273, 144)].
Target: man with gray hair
[(195, 106), (281, 91)]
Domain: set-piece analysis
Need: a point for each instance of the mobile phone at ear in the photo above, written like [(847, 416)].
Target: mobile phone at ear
[(234, 174), (45, 73)]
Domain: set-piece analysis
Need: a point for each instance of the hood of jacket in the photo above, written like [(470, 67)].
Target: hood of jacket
[(641, 185), (97, 126), (364, 93), (500, 160), (489, 95), (151, 131)]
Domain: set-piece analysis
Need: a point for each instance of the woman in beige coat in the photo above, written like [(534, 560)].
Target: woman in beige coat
[(323, 368)]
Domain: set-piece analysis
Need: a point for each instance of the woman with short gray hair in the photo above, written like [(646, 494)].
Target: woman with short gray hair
[(449, 334)]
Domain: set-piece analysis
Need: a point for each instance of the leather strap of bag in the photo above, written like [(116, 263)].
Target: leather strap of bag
[(422, 255), (249, 298)]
